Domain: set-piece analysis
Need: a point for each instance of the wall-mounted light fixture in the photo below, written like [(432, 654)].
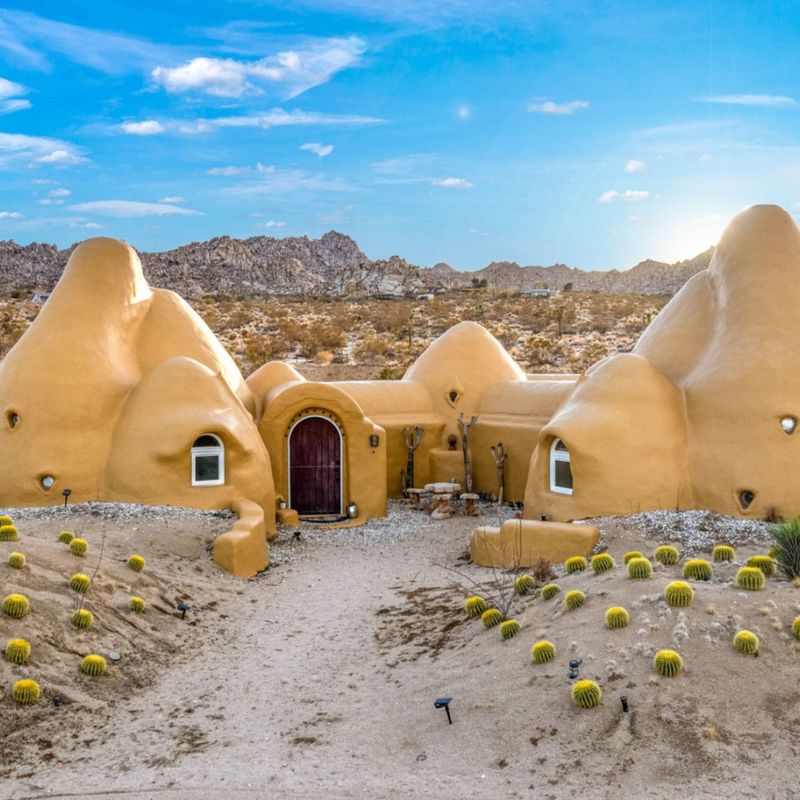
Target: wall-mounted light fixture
[(374, 440)]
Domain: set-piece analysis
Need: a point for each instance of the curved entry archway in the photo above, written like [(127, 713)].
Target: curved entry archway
[(315, 466)]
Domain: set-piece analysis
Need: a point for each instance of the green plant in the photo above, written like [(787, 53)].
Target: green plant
[(80, 583), (668, 663), (574, 599), (679, 594), (750, 578), (509, 628), (491, 617), (17, 651), (93, 665), (631, 554), (26, 692), (523, 584), (136, 563), (16, 605), (698, 569), (723, 552), (78, 547), (787, 546), (764, 563), (602, 562), (796, 628), (550, 590), (16, 560), (138, 605), (617, 617), (474, 606), (746, 642), (5, 520), (543, 651), (8, 533), (667, 555), (575, 564), (82, 619), (65, 537), (586, 694), (639, 568)]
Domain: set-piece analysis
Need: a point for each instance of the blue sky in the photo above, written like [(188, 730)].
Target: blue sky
[(593, 134)]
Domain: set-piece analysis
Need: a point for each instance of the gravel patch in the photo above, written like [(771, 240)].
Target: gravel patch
[(115, 511)]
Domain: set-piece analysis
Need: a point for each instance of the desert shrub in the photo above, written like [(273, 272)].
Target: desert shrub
[(639, 569), (698, 569), (617, 617), (94, 665), (746, 642), (574, 599), (509, 628), (138, 605), (542, 652), (491, 617), (764, 563), (78, 547), (474, 606), (65, 537), (26, 692), (667, 554), (575, 564), (550, 590), (136, 563), (750, 578), (668, 663), (602, 562), (586, 694), (16, 560), (80, 583), (16, 606), (723, 552), (523, 584), (8, 533), (542, 570), (631, 554), (679, 594), (787, 547), (82, 618), (17, 651)]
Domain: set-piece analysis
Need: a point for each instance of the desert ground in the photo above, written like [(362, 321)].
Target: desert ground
[(318, 676)]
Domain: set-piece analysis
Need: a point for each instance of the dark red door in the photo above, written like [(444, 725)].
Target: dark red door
[(315, 476)]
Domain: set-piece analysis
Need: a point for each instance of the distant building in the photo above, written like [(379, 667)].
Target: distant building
[(40, 297), (539, 292)]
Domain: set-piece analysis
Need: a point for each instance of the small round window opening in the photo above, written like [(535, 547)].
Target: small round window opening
[(746, 498), (12, 418), (789, 425), (47, 482), (453, 396)]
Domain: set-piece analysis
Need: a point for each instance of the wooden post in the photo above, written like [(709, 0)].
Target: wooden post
[(500, 457), (413, 439), (465, 426)]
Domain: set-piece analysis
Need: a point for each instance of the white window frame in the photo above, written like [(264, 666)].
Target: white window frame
[(218, 451), (563, 456)]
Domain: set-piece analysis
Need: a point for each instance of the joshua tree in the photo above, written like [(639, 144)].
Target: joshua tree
[(500, 457), (465, 426)]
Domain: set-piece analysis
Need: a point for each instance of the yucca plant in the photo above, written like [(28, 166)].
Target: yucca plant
[(550, 590), (586, 694), (746, 642), (668, 663), (574, 599), (82, 619), (639, 568), (16, 560), (764, 563), (523, 584), (679, 594), (575, 564), (787, 547), (80, 583), (473, 606), (65, 537), (8, 533), (617, 617), (136, 563), (602, 562), (78, 547), (509, 628), (698, 569), (138, 605), (723, 552), (667, 555), (94, 665), (26, 692), (750, 578), (543, 651), (631, 554), (491, 617), (16, 606), (17, 651)]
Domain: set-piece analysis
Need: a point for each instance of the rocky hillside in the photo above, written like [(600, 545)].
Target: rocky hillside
[(331, 265)]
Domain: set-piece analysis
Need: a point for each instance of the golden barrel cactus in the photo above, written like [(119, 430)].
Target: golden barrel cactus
[(80, 583), (8, 533), (631, 554), (474, 606), (138, 605), (82, 619), (550, 590), (16, 606), (16, 560), (509, 628), (723, 552), (136, 563), (796, 628), (523, 584), (574, 599), (764, 563), (78, 547), (586, 694), (26, 692), (667, 555), (602, 562), (5, 520), (575, 564), (65, 537), (750, 578), (17, 651), (542, 652), (94, 665), (491, 618), (679, 594), (698, 569), (746, 642), (617, 617), (639, 569), (668, 663)]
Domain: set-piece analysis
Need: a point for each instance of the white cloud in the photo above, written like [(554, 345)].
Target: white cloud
[(629, 196), (147, 127), (89, 226), (295, 71), (403, 165), (634, 166), (288, 182), (259, 169), (10, 97), (60, 193), (274, 223), (133, 208), (10, 215), (17, 147), (321, 150), (559, 109), (452, 183), (172, 200), (278, 117), (750, 99), (61, 157)]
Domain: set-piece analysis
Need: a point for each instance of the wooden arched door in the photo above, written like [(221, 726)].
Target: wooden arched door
[(315, 467)]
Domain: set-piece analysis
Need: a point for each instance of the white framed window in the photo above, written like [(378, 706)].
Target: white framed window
[(560, 470), (208, 461)]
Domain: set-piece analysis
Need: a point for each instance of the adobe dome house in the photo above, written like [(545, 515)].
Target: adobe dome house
[(120, 392)]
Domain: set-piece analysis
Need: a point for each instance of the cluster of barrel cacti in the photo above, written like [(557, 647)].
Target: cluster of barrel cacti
[(78, 547), (679, 594), (574, 599), (523, 584), (698, 569), (26, 692), (16, 605), (723, 552), (8, 533), (17, 651), (80, 583), (639, 568), (668, 663), (542, 652), (82, 619), (617, 617), (746, 642), (16, 560), (491, 617), (65, 537), (667, 555), (138, 605), (509, 628), (602, 562), (575, 564), (550, 590), (94, 665), (764, 563), (136, 563), (750, 578), (474, 606), (586, 694)]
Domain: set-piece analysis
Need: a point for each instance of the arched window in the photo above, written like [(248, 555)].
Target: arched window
[(560, 471), (208, 461)]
